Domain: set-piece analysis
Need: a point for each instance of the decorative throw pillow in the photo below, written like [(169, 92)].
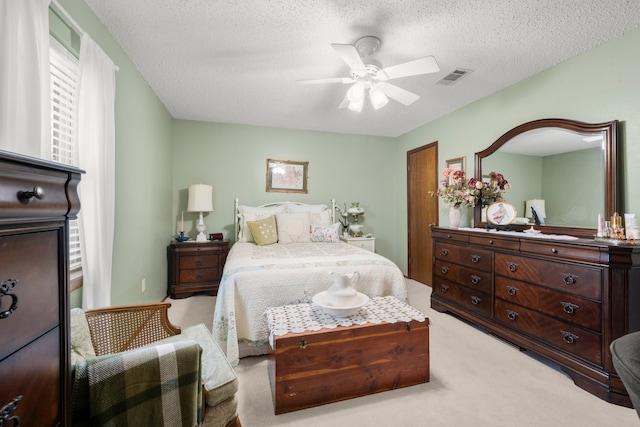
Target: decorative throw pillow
[(264, 230), (244, 234), (320, 219), (293, 227), (326, 234), (81, 345)]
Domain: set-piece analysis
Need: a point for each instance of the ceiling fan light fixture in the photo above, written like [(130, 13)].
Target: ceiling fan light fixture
[(378, 98), (356, 92), (357, 105)]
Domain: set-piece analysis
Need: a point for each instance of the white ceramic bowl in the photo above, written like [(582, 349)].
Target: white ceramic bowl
[(320, 299)]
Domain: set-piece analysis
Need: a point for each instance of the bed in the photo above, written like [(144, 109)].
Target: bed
[(260, 273)]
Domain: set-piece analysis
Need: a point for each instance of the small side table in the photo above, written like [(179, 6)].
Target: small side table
[(368, 243), (195, 267)]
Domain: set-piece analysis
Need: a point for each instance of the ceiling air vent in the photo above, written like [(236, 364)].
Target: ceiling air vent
[(453, 76)]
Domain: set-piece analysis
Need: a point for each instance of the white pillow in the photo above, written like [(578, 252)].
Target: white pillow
[(244, 234), (261, 209), (320, 219), (293, 227), (306, 208), (326, 234)]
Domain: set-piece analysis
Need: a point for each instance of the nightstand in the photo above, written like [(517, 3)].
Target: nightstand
[(195, 267), (368, 243)]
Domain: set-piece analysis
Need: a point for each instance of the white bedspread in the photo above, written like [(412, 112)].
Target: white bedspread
[(258, 277)]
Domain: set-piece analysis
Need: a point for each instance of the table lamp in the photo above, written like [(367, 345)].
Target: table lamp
[(200, 200), (535, 209)]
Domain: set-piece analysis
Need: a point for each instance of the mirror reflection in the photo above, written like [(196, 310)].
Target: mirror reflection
[(563, 170)]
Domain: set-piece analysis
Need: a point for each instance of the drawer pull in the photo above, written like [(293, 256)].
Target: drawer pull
[(199, 262), (491, 242), (5, 413), (303, 343), (512, 266), (444, 288), (554, 251), (37, 192), (475, 279), (568, 337), (5, 291), (475, 259), (199, 276), (569, 279), (568, 307), (512, 315), (445, 251), (512, 290), (475, 300), (444, 269)]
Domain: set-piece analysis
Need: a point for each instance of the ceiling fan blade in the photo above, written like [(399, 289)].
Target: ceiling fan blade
[(343, 80), (425, 65), (401, 95), (344, 103), (350, 55)]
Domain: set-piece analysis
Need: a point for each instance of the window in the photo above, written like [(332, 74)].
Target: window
[(64, 76)]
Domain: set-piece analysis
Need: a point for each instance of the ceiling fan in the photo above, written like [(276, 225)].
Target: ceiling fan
[(373, 77)]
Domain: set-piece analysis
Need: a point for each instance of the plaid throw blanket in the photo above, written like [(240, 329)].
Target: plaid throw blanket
[(152, 386)]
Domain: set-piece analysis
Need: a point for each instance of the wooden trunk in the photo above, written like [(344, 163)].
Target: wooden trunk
[(318, 367)]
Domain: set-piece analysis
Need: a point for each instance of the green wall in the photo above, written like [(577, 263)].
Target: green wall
[(144, 161), (158, 157)]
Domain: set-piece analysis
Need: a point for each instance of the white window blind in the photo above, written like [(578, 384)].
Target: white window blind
[(64, 77)]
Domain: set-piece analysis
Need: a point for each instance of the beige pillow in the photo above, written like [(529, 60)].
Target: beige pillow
[(293, 227), (264, 230)]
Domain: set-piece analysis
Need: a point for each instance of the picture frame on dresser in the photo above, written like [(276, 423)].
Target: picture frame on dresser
[(287, 176)]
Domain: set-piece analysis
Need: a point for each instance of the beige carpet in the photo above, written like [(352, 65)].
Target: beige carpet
[(476, 380)]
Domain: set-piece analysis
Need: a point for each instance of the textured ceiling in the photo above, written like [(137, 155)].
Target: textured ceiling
[(237, 61)]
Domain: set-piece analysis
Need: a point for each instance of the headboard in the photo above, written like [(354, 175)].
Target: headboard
[(236, 218)]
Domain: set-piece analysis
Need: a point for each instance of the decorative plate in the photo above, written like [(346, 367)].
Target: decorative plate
[(320, 299), (501, 213)]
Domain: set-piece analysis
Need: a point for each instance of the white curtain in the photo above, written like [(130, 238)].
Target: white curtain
[(25, 117), (96, 155)]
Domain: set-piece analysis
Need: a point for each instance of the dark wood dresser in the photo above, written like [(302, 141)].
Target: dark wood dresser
[(37, 198), (195, 267), (563, 299)]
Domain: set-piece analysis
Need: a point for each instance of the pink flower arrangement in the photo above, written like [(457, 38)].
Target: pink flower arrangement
[(457, 190), (493, 191)]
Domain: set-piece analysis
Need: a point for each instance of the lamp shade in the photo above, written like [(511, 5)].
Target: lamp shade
[(538, 205), (200, 198)]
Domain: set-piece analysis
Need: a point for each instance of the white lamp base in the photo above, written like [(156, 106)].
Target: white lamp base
[(201, 227)]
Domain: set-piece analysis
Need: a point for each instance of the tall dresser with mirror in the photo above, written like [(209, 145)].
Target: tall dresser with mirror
[(561, 293), (37, 200)]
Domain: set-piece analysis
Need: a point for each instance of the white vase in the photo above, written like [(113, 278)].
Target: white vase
[(454, 216)]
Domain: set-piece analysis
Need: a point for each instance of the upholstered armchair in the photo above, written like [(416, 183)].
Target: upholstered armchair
[(99, 332)]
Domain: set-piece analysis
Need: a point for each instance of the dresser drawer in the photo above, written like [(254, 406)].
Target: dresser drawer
[(200, 275), (15, 204), (466, 255), (463, 296), (488, 239), (475, 279), (561, 250), (199, 261), (31, 260), (572, 278), (564, 336), (567, 307), (34, 373)]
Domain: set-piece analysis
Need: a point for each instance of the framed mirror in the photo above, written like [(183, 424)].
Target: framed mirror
[(567, 169)]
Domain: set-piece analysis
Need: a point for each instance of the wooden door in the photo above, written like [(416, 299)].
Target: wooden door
[(422, 209)]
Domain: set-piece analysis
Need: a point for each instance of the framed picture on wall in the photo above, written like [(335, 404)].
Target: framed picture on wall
[(287, 176)]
